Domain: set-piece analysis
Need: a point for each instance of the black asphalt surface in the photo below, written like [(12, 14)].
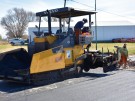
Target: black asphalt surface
[(93, 86)]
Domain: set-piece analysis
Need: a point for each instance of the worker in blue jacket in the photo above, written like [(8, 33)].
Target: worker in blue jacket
[(77, 28)]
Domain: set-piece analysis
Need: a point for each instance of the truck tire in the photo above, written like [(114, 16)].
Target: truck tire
[(87, 64), (86, 69), (12, 43), (22, 43)]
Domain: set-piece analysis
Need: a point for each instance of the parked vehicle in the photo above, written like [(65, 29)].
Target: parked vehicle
[(123, 40), (16, 41)]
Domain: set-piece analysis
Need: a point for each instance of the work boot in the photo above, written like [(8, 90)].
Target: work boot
[(118, 66), (121, 67), (126, 66)]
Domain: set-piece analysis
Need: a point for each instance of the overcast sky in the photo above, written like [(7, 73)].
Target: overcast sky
[(108, 10)]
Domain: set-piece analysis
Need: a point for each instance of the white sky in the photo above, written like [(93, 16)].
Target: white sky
[(108, 10)]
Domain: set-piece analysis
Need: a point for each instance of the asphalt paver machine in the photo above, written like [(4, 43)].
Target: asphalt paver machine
[(55, 56)]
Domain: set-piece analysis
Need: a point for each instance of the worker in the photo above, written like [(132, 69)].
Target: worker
[(86, 31), (123, 55), (77, 28)]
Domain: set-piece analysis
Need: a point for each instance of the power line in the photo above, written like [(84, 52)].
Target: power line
[(81, 3), (99, 9)]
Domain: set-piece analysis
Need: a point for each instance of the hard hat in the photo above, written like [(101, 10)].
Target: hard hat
[(124, 44), (84, 19)]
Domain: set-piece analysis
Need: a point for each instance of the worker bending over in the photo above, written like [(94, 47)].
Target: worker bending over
[(122, 55), (77, 28)]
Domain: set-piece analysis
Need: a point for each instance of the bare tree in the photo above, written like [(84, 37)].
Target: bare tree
[(16, 21), (0, 37)]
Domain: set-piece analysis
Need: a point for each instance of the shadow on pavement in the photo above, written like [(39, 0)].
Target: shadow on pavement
[(10, 87), (94, 75)]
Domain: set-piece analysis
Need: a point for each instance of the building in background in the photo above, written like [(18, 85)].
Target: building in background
[(106, 30)]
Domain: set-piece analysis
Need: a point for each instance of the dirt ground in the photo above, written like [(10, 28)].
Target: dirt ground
[(131, 62)]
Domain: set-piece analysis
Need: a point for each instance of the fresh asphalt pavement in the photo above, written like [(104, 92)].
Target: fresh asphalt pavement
[(95, 85)]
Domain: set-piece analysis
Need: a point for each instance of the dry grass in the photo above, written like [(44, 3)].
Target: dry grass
[(110, 46), (3, 42), (8, 47)]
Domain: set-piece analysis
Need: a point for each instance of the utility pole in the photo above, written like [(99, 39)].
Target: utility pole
[(65, 3), (64, 19), (96, 23)]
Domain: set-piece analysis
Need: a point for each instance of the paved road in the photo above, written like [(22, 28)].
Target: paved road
[(94, 86)]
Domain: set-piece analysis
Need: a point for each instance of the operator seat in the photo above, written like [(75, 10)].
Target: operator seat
[(58, 31), (70, 31)]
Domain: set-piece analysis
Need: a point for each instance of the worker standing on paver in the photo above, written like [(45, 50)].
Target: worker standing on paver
[(122, 55), (77, 28)]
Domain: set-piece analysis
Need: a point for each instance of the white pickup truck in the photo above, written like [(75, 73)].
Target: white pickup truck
[(16, 41)]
